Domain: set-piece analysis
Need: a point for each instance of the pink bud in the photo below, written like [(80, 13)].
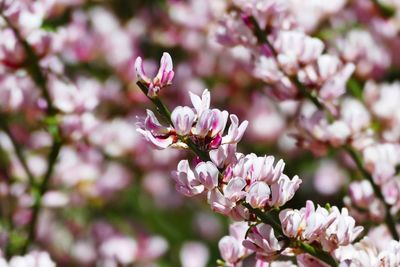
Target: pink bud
[(219, 123), (291, 222), (163, 78), (165, 73)]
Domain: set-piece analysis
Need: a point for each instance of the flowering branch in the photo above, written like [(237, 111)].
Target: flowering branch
[(263, 40), (163, 111), (33, 67), (261, 215), (391, 224)]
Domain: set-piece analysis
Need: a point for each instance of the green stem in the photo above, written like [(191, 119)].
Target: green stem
[(41, 190), (385, 10), (263, 39), (303, 90), (164, 111), (318, 253), (265, 217), (391, 224), (32, 66), (18, 150)]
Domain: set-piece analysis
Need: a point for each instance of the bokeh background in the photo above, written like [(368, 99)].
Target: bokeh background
[(110, 191)]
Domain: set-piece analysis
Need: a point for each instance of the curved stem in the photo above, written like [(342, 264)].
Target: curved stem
[(32, 66), (265, 217), (391, 224), (41, 190), (164, 111), (318, 253), (18, 149)]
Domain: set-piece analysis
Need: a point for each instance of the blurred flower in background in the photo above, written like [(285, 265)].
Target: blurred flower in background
[(312, 85)]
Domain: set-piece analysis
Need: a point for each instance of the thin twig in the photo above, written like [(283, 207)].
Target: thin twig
[(18, 149), (38, 76), (391, 224)]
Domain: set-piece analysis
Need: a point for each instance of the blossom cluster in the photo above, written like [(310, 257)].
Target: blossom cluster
[(237, 185)]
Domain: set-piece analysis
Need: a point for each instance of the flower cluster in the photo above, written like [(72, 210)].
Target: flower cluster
[(286, 57), (202, 125), (78, 187), (241, 186), (332, 228)]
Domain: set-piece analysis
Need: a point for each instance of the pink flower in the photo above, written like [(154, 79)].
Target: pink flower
[(236, 131), (330, 74), (182, 118), (219, 203), (295, 48), (200, 104), (261, 239), (230, 249), (361, 193), (204, 123), (33, 259), (283, 190), (223, 155), (185, 180), (369, 55), (194, 254), (341, 232), (207, 174), (381, 160), (156, 134), (306, 224), (163, 78), (258, 195), (121, 249), (233, 191)]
